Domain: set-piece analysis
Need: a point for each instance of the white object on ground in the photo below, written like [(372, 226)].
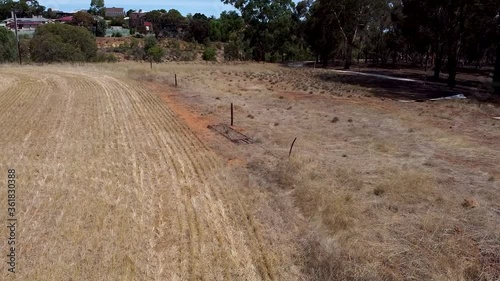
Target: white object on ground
[(455, 97), (497, 118), (377, 76)]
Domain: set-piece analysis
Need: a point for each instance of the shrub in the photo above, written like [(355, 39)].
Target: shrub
[(273, 57), (210, 54), (8, 50), (237, 50), (156, 53), (61, 42), (174, 54), (117, 22), (149, 42), (117, 34), (232, 51), (24, 43), (175, 45), (187, 56), (136, 52), (103, 57), (123, 48)]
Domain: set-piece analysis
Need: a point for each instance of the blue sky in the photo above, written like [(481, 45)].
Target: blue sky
[(208, 7)]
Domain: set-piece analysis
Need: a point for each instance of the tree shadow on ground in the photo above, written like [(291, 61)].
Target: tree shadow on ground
[(464, 81), (394, 89)]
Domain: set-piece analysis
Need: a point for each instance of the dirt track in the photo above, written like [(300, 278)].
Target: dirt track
[(112, 186)]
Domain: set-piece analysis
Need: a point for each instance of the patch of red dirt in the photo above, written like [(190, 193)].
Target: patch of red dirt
[(198, 124)]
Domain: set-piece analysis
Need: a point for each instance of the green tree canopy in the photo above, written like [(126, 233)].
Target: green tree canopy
[(269, 24), (61, 42), (166, 24), (96, 26), (8, 52), (449, 29), (199, 28), (97, 8), (24, 8), (231, 23), (156, 53)]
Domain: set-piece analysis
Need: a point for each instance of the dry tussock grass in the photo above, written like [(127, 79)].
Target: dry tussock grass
[(407, 187), (406, 232)]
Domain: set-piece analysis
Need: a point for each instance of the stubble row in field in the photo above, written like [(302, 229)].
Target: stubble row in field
[(111, 185)]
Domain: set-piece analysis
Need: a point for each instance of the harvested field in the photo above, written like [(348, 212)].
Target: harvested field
[(112, 186), (120, 177)]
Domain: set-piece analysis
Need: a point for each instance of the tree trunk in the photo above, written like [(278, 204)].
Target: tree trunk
[(426, 60), (324, 59), (496, 73), (348, 41), (348, 56), (438, 63), (437, 68), (455, 45), (452, 70)]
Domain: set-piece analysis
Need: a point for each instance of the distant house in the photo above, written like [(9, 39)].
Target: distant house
[(67, 19), (115, 12), (25, 24), (149, 26), (136, 19)]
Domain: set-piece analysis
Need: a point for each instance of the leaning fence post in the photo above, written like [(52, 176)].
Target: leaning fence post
[(291, 147)]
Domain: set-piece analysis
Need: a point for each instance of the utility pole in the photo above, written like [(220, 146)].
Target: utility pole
[(14, 15)]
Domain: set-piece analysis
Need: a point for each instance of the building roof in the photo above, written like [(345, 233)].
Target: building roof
[(65, 19), (34, 19), (115, 10)]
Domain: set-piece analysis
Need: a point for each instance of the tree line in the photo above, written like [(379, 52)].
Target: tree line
[(440, 34), (444, 35)]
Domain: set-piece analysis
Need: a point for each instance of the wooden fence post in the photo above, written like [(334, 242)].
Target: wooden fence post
[(291, 147), (232, 115)]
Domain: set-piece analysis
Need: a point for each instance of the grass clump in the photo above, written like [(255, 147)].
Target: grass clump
[(408, 187), (209, 54)]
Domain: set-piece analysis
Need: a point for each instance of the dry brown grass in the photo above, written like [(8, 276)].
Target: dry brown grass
[(378, 192), (353, 236), (408, 187), (112, 186), (375, 195)]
